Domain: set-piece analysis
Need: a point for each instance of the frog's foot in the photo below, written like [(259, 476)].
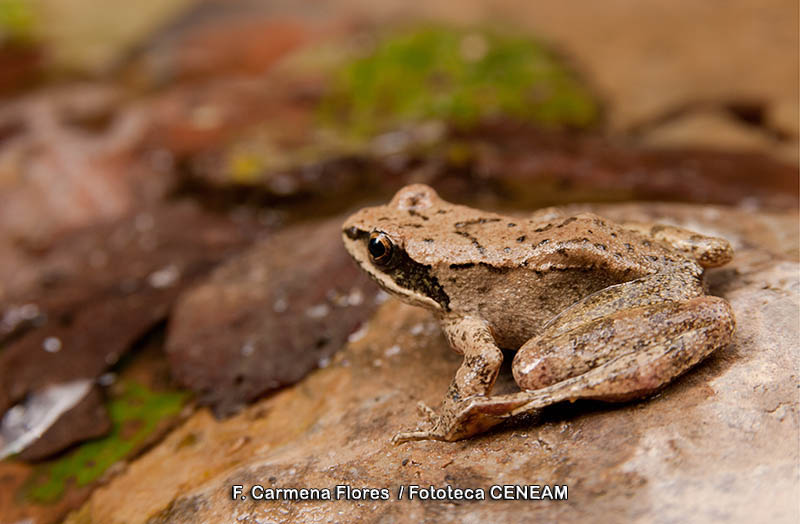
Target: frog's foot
[(464, 419), (707, 251), (430, 418), (427, 429), (430, 429), (408, 436)]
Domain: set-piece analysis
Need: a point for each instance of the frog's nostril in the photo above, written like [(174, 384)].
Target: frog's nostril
[(351, 232)]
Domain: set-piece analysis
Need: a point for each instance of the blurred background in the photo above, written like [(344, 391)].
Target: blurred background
[(165, 164)]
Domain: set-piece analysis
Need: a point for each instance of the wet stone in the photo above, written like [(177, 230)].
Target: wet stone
[(87, 419), (266, 318), (100, 290)]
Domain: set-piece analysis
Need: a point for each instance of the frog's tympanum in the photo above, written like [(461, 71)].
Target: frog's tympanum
[(595, 309)]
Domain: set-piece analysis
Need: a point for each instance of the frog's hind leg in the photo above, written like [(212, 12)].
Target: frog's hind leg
[(642, 350), (707, 251), (635, 351)]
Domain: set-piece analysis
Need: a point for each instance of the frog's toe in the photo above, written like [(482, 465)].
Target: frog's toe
[(409, 436), (426, 412)]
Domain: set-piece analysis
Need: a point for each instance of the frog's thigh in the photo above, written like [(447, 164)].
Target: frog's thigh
[(641, 292), (634, 351)]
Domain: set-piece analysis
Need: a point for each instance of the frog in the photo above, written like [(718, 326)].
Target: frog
[(593, 309)]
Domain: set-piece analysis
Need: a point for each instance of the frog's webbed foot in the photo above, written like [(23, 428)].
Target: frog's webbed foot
[(706, 250), (408, 436), (430, 429), (430, 418)]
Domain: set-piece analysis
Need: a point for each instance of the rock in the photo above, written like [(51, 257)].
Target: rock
[(719, 444), (269, 316), (531, 168), (86, 419), (659, 62), (503, 164), (69, 157), (19, 67), (143, 406), (99, 290), (220, 40), (709, 129)]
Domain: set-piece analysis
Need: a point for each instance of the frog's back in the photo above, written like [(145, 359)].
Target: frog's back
[(469, 237), (520, 273)]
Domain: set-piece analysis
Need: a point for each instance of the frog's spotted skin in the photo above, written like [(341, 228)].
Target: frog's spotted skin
[(595, 309)]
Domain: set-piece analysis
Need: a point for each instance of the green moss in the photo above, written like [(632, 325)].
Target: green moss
[(459, 77), (16, 21), (135, 414)]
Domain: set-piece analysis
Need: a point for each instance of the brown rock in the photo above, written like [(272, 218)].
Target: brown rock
[(721, 440), (269, 316), (715, 129), (214, 40), (69, 157), (88, 419), (506, 164), (531, 168), (100, 289)]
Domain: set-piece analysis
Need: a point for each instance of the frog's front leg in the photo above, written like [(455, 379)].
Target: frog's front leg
[(474, 379)]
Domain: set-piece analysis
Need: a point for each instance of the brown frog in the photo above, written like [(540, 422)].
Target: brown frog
[(595, 309)]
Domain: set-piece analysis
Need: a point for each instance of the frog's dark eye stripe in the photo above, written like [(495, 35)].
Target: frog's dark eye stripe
[(380, 248)]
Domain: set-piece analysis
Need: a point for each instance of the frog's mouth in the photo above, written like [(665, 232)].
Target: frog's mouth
[(405, 278)]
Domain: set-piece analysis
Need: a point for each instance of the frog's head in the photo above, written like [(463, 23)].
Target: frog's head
[(378, 238)]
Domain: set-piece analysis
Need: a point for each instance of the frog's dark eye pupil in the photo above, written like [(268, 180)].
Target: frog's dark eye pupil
[(380, 248), (376, 248)]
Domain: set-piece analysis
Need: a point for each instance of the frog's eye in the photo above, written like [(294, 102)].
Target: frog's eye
[(380, 248)]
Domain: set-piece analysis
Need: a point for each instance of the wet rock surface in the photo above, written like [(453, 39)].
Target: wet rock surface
[(267, 317), (721, 439), (142, 404), (87, 419)]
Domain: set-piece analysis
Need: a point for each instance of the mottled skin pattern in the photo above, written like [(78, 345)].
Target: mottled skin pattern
[(595, 309)]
